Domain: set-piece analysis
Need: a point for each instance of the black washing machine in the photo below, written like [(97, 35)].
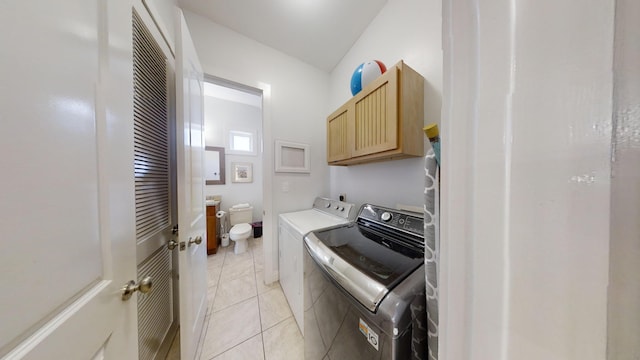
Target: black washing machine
[(364, 288)]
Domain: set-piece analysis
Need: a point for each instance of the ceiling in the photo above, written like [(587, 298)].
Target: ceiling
[(318, 32)]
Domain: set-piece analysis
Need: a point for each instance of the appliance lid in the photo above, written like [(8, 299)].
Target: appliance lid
[(386, 262), (366, 263), (307, 220)]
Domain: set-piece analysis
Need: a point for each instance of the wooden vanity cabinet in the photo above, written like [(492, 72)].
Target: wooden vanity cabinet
[(212, 230), (382, 122)]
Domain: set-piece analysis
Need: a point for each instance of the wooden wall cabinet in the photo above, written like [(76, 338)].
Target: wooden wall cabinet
[(382, 122), (212, 230)]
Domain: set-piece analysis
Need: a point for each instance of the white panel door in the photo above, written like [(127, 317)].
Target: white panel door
[(191, 206), (66, 204)]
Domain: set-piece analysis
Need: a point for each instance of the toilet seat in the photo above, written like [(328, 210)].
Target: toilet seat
[(240, 231)]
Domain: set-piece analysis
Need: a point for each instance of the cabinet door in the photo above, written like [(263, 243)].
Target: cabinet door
[(338, 134), (375, 116), (212, 234)]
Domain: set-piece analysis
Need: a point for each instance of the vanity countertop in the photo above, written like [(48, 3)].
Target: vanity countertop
[(212, 202)]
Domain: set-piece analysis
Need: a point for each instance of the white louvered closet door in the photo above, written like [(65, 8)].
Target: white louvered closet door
[(154, 191)]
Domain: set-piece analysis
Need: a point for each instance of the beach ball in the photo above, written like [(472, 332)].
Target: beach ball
[(366, 73)]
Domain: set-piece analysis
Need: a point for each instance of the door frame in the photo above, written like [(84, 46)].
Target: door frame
[(269, 241), (505, 234)]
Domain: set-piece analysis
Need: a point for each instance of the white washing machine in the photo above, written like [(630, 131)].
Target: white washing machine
[(292, 227)]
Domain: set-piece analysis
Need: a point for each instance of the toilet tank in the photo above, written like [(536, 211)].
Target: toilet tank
[(239, 214)]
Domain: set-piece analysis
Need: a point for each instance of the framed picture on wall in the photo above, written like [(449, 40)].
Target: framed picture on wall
[(292, 157), (241, 172)]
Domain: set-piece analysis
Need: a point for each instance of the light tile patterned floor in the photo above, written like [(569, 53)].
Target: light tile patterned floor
[(247, 319)]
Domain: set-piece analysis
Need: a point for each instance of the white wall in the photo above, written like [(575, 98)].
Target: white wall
[(408, 30), (295, 110), (164, 14), (624, 278), (526, 179), (222, 114)]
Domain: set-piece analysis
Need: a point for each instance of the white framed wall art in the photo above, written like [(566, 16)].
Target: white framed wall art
[(241, 172), (292, 157)]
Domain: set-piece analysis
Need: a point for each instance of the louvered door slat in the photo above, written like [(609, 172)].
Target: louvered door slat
[(152, 185)]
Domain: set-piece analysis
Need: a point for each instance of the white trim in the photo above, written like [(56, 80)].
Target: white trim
[(455, 250), (269, 219)]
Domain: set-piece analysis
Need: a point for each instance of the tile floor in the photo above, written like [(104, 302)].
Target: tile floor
[(247, 319)]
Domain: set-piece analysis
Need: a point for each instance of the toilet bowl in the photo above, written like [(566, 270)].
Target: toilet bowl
[(240, 216), (239, 234)]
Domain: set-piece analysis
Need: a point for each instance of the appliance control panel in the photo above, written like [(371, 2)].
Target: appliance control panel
[(334, 207), (397, 219)]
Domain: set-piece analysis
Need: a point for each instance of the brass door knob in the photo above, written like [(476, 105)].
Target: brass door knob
[(172, 244), (144, 286)]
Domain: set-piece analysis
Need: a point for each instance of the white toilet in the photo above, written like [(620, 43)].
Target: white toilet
[(240, 216)]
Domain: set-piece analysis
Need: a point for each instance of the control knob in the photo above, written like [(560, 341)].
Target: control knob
[(386, 216)]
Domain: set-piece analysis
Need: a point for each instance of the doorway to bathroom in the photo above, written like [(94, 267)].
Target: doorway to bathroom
[(234, 125)]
